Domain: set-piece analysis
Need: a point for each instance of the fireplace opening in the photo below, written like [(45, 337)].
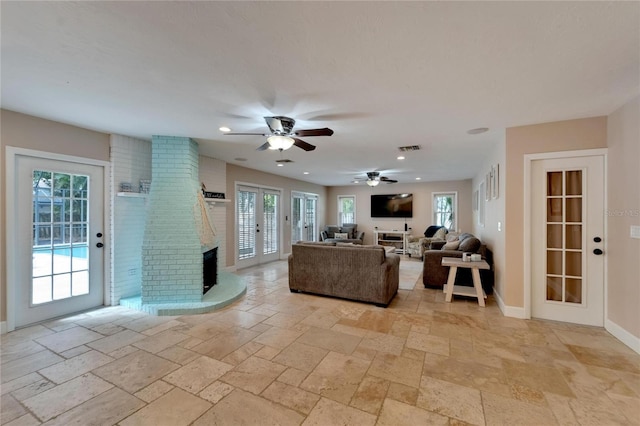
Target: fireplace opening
[(209, 269)]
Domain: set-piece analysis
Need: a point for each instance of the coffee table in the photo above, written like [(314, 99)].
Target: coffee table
[(450, 288)]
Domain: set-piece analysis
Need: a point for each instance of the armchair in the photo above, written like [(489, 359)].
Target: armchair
[(416, 246)]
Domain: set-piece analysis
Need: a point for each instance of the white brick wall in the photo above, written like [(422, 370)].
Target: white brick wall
[(130, 162)]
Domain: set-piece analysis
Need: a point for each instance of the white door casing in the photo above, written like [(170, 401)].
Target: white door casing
[(25, 259), (567, 218)]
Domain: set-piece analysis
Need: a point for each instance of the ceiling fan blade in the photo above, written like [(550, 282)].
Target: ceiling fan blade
[(386, 179), (304, 145), (236, 134), (263, 146), (314, 132)]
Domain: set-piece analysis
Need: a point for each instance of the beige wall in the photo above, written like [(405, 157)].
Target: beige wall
[(24, 131), (493, 231), (422, 209), (587, 133), (249, 176), (623, 204)]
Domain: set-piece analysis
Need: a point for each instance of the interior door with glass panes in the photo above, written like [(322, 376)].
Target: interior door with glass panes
[(567, 247), (59, 217), (303, 217), (258, 225)]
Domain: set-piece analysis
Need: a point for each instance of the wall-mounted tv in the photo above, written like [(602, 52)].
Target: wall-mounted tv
[(392, 205)]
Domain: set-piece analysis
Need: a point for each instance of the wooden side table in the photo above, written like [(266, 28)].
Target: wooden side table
[(450, 289)]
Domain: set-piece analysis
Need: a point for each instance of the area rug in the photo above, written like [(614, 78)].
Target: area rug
[(410, 272)]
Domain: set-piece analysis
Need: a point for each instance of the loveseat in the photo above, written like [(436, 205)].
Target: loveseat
[(350, 229), (436, 275), (364, 273)]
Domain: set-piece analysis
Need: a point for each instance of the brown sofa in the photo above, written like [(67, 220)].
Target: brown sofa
[(357, 272), (436, 275)]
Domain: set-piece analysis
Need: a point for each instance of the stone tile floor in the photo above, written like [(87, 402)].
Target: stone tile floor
[(280, 358)]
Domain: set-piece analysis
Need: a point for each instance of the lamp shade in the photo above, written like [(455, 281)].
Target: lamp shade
[(373, 182), (280, 142)]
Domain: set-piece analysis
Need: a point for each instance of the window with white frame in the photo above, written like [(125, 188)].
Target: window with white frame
[(346, 209), (445, 206)]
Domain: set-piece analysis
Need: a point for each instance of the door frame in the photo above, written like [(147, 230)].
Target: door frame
[(259, 187), (11, 220), (304, 196), (528, 202)]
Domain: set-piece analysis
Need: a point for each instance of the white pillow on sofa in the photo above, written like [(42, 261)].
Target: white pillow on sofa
[(451, 245), (341, 235)]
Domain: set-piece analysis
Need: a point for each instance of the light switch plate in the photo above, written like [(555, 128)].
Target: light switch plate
[(499, 226), (635, 231)]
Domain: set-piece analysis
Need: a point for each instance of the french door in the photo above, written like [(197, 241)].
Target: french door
[(258, 225), (58, 266), (304, 214), (567, 239)]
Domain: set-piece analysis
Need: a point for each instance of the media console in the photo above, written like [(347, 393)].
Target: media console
[(395, 238)]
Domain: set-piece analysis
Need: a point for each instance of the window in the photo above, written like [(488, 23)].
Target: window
[(346, 209), (445, 206)]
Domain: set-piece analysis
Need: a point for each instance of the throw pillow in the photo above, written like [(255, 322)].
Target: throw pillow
[(339, 244), (471, 245), (440, 234), (451, 245), (341, 235), (452, 237)]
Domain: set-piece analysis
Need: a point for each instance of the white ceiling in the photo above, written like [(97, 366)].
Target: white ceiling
[(380, 74)]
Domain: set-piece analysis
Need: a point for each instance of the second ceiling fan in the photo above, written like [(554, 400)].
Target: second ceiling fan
[(374, 178), (283, 136)]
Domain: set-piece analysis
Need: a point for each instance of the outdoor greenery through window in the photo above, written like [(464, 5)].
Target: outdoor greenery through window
[(346, 209), (444, 209)]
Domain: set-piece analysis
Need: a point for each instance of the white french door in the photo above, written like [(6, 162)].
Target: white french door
[(304, 213), (58, 215), (567, 239), (258, 225)]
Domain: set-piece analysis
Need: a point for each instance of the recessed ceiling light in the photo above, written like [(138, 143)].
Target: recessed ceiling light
[(305, 173), (401, 157), (280, 165), (355, 181), (240, 159), (224, 129), (418, 178), (478, 130)]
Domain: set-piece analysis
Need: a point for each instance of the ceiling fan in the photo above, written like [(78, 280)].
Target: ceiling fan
[(283, 136), (374, 178)]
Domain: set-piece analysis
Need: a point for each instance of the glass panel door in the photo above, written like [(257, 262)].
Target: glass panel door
[(60, 252), (310, 214), (258, 225), (564, 239), (304, 226), (246, 218), (271, 205)]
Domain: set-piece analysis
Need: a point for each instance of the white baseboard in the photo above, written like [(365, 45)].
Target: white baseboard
[(3, 327), (623, 335), (509, 311)]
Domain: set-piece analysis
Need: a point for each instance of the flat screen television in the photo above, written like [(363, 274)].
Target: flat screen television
[(392, 205)]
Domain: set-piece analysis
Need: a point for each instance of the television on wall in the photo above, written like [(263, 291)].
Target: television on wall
[(392, 205)]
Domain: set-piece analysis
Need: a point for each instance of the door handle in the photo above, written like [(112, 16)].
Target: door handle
[(597, 252), (99, 245), (597, 239)]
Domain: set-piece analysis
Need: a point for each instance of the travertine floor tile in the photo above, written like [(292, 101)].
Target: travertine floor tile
[(25, 420), (328, 412), (10, 409), (370, 394), (116, 341), (301, 356), (330, 340), (198, 374), (74, 367), (291, 396), (154, 391), (397, 369), (428, 343), (277, 337), (68, 339), (216, 391), (254, 374), (175, 408), (105, 409), (160, 341), (336, 377), (53, 402), (12, 370), (136, 371), (395, 413), (245, 408), (451, 400), (506, 411)]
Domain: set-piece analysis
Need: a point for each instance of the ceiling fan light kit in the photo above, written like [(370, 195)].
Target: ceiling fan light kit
[(280, 142), (373, 182)]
